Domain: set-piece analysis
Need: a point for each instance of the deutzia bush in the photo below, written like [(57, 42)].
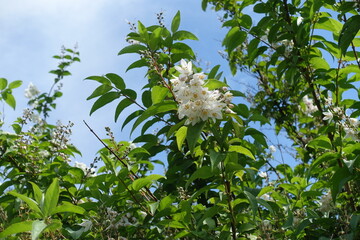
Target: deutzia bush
[(223, 176)]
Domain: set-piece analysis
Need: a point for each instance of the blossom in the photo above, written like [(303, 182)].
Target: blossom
[(350, 133), (272, 148), (326, 203), (185, 69), (89, 172), (327, 115), (299, 20), (197, 102), (31, 91), (262, 174), (87, 224), (310, 108), (132, 145), (354, 122)]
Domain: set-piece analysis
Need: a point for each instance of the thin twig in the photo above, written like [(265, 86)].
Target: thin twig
[(133, 176)]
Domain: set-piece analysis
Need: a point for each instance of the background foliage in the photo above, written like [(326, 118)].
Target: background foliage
[(221, 179)]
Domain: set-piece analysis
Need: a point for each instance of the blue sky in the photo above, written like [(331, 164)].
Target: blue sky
[(33, 31)]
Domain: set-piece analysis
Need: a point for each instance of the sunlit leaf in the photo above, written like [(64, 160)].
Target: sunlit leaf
[(16, 228), (51, 198), (175, 23), (348, 32), (103, 100)]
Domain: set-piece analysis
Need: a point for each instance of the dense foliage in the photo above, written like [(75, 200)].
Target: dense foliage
[(222, 180)]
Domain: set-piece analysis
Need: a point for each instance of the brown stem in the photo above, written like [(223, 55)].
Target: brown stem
[(132, 175), (229, 200)]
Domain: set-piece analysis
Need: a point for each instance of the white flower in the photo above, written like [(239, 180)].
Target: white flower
[(262, 174), (197, 102), (31, 91), (44, 153), (132, 145), (185, 69), (350, 133), (327, 115), (299, 20), (89, 172), (272, 149), (326, 203), (328, 100), (310, 108), (354, 122), (267, 197), (87, 224), (337, 111)]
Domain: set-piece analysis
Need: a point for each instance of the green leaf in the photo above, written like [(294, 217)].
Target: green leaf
[(121, 106), (291, 188), (341, 176), (116, 80), (153, 206), (329, 24), (137, 64), (16, 228), (103, 100), (146, 98), (204, 172), (319, 63), (242, 150), (213, 72), (193, 135), (257, 135), (100, 79), (212, 84), (162, 107), (129, 93), (68, 207), (37, 228), (175, 22), (143, 31), (15, 84), (101, 90), (30, 202), (134, 48), (3, 83), (216, 158), (348, 32), (146, 181), (9, 99), (158, 94), (51, 198), (138, 150), (320, 142), (234, 38), (253, 202), (204, 4), (38, 195), (183, 35), (131, 117), (155, 38), (181, 136), (261, 8)]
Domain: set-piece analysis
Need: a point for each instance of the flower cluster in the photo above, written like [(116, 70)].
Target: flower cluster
[(349, 125), (89, 172), (326, 203), (310, 108), (31, 91), (197, 103)]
